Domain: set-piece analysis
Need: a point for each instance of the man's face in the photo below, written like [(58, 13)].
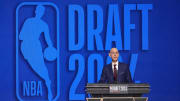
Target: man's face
[(114, 54)]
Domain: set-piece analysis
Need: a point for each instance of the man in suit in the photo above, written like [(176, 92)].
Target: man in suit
[(115, 72)]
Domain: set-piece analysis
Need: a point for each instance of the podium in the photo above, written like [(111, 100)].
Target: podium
[(117, 92)]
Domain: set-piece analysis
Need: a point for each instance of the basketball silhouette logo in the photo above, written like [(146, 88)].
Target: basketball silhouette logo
[(35, 77)]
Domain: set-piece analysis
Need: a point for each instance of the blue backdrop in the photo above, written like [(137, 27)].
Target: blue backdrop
[(158, 65)]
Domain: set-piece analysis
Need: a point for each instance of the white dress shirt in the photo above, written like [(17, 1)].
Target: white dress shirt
[(116, 66)]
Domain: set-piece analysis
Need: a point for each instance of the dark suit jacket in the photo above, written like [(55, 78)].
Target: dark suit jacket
[(124, 75)]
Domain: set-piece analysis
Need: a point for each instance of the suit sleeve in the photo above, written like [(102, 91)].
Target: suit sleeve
[(103, 76), (128, 76)]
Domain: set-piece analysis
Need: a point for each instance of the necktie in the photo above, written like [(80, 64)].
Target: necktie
[(115, 73)]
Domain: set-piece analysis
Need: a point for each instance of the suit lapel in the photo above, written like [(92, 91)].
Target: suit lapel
[(111, 71), (119, 70), (119, 67)]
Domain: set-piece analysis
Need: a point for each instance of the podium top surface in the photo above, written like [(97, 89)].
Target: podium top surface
[(144, 85)]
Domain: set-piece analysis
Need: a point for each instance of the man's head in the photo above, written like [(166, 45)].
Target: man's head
[(39, 11), (114, 54)]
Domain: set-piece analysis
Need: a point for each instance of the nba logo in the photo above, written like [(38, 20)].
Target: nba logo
[(37, 52)]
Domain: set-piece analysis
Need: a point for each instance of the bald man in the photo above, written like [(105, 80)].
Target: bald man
[(115, 72)]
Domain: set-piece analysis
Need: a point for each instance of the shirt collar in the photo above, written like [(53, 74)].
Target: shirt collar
[(115, 63)]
